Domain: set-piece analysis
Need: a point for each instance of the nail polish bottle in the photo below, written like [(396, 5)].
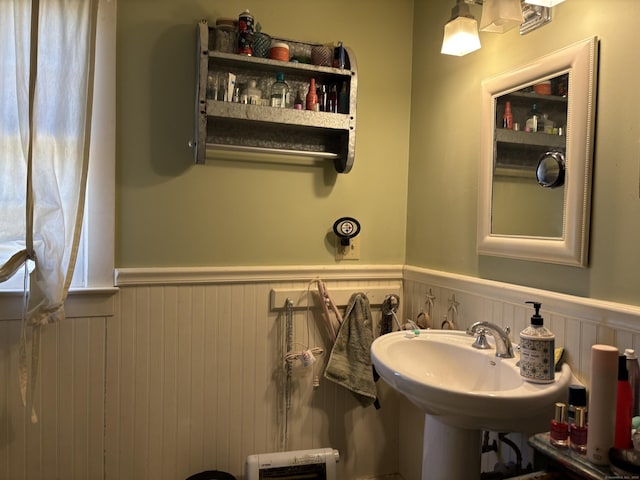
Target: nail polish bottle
[(577, 398), (559, 429), (578, 431)]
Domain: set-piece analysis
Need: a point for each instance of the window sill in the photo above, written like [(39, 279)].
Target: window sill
[(82, 303)]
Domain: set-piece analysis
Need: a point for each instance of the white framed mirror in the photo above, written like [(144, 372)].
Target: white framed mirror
[(534, 190)]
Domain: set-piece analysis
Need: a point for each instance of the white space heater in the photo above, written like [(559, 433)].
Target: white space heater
[(317, 464)]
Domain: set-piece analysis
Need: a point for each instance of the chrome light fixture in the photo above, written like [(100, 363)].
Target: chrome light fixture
[(461, 33), (500, 16), (544, 3)]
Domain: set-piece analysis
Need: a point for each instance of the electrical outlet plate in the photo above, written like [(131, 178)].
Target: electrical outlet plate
[(350, 252)]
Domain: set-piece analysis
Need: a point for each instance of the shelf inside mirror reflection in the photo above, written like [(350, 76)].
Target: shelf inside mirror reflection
[(530, 138)]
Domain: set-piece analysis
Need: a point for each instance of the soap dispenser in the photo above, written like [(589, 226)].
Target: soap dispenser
[(537, 349)]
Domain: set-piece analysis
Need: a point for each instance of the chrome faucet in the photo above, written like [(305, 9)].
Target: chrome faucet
[(504, 348)]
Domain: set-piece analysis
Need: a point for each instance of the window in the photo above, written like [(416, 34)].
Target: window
[(94, 265)]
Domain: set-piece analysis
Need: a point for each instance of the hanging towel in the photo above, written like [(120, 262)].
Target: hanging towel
[(350, 364)]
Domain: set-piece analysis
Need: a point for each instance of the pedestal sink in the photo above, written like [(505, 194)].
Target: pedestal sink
[(462, 391)]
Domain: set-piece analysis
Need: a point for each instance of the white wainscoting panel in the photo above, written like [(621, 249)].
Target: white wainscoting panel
[(68, 440), (183, 371), (195, 381)]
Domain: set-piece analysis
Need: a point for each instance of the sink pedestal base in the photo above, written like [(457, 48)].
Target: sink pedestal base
[(450, 452)]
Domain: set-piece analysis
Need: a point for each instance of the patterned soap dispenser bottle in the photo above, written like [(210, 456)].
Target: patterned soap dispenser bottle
[(537, 350)]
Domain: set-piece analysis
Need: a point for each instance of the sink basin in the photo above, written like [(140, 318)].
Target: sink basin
[(441, 373), (462, 391)]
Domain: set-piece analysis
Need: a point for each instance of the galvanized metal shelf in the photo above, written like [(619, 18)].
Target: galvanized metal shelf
[(224, 125), (285, 116), (530, 138), (274, 66)]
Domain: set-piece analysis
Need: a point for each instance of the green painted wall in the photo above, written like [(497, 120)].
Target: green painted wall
[(417, 148), (445, 129), (171, 212)]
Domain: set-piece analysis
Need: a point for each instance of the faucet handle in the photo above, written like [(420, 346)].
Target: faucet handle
[(481, 340)]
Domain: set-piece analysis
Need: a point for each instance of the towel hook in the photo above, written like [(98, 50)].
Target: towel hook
[(453, 307), (422, 320), (447, 323), (389, 308), (390, 304), (423, 317)]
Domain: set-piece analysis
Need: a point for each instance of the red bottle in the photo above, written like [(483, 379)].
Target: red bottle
[(312, 96), (559, 429), (507, 118), (624, 407), (578, 431)]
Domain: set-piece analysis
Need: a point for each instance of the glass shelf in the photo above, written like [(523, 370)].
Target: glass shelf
[(567, 460)]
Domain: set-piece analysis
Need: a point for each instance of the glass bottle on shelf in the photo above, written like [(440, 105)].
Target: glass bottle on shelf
[(280, 92), (312, 96), (298, 103), (332, 100), (252, 94), (507, 118), (212, 87), (558, 429), (578, 431), (322, 97), (535, 122)]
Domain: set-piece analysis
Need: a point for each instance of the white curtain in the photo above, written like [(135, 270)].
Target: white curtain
[(46, 87)]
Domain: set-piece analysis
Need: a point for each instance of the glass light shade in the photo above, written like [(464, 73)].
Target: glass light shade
[(460, 37), (500, 16), (544, 3)]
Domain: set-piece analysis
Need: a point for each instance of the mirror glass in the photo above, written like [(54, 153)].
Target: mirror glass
[(530, 128), (535, 171)]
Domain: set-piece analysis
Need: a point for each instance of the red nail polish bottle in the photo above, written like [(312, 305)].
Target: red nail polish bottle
[(559, 428)]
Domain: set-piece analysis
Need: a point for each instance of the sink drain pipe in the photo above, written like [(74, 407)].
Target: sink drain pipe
[(500, 470)]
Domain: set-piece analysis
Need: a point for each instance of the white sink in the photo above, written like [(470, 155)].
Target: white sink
[(463, 390), (440, 372)]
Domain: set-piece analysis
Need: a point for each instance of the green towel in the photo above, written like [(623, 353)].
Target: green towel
[(349, 364)]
